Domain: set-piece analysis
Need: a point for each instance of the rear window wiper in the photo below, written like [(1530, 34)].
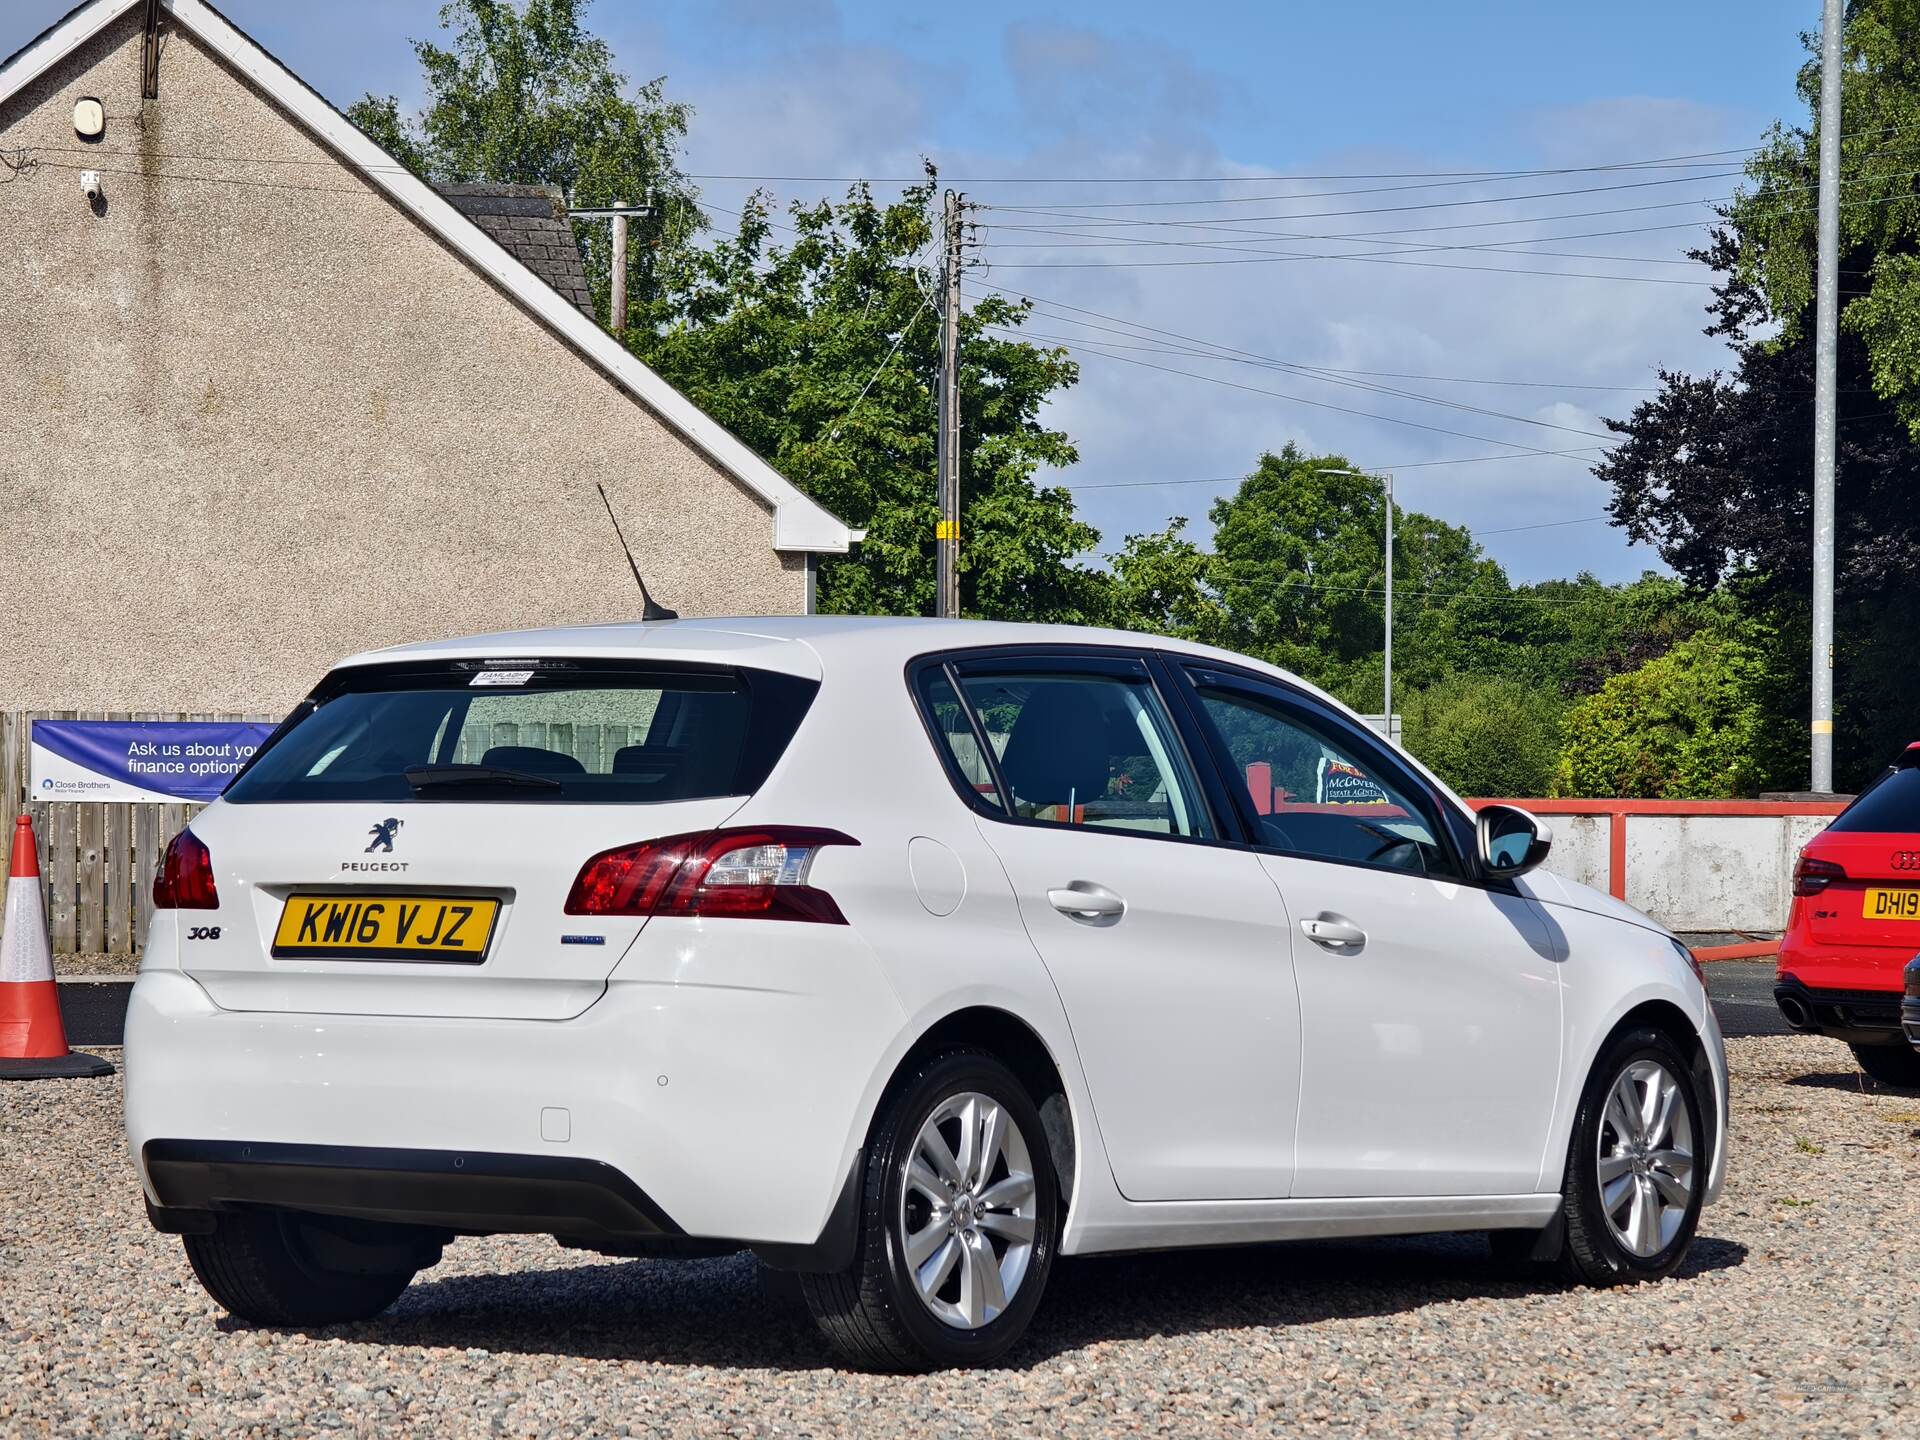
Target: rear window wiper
[(426, 777)]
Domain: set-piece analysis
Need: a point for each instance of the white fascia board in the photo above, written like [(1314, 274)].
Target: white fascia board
[(798, 523), (57, 43)]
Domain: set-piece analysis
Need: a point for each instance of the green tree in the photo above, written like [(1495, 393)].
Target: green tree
[(1486, 735), (1162, 584), (1716, 469), (1696, 723), (1299, 576), (524, 95), (1775, 221), (821, 352)]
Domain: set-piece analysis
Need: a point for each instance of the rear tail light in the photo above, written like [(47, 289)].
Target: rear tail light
[(185, 881), (1811, 876), (746, 873)]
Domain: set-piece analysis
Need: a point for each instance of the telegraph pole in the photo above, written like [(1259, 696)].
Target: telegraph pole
[(617, 311), (946, 599), (1825, 368), (619, 213), (1386, 709)]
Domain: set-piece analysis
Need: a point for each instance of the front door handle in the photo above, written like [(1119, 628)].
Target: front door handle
[(1084, 900), (1334, 932)]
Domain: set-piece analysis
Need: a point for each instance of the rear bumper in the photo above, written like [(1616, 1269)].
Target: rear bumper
[(719, 1112), (584, 1200), (1859, 1017), (1840, 967)]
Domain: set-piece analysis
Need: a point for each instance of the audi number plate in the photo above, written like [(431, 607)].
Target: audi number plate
[(1891, 905)]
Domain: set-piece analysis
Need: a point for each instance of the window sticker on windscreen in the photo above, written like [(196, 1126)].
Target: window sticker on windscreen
[(502, 677)]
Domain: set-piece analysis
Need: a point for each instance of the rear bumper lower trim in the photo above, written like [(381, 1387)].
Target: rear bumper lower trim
[(455, 1190), (1859, 1017)]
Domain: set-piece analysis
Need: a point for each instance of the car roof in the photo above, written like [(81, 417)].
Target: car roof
[(794, 644)]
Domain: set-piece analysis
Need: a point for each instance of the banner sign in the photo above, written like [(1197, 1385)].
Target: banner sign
[(168, 761)]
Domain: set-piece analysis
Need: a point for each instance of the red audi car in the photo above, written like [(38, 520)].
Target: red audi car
[(1855, 924)]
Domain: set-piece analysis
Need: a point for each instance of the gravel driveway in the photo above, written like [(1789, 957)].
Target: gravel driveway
[(1798, 1314)]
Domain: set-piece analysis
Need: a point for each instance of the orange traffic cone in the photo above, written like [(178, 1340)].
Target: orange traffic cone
[(33, 1041)]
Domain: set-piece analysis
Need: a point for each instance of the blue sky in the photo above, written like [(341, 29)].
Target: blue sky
[(1127, 92)]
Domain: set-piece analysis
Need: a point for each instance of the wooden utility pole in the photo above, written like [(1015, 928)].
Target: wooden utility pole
[(617, 311), (619, 213), (946, 600)]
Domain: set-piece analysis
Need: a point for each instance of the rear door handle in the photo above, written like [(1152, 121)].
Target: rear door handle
[(1334, 932), (1084, 900)]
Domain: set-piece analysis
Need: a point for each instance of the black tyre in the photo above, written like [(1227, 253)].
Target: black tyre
[(1897, 1064), (959, 1217), (273, 1268), (1637, 1169)]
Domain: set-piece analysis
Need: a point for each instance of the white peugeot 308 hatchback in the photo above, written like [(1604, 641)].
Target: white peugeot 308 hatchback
[(908, 954)]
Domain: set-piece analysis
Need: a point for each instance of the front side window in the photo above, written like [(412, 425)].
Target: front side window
[(1090, 749), (1314, 791), (556, 732)]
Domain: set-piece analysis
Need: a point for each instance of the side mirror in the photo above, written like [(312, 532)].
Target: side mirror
[(1511, 841)]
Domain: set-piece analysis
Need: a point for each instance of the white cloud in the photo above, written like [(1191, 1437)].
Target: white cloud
[(1089, 102)]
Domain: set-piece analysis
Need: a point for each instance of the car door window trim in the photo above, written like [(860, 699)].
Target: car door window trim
[(1116, 662), (1365, 742)]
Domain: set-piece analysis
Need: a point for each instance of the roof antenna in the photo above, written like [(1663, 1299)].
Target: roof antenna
[(650, 609)]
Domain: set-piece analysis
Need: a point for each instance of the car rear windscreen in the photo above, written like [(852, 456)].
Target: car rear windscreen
[(1889, 806), (572, 732)]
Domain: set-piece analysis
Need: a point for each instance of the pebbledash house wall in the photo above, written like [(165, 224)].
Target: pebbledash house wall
[(254, 417)]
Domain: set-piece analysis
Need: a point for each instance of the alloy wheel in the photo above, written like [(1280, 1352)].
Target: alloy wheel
[(1645, 1163), (967, 1213)]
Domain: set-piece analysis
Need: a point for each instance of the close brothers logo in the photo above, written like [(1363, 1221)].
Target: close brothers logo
[(74, 787)]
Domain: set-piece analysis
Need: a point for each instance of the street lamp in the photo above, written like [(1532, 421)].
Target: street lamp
[(1385, 477)]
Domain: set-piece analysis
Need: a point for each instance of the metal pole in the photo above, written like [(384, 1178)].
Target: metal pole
[(1387, 709), (617, 311), (1825, 368), (946, 599)]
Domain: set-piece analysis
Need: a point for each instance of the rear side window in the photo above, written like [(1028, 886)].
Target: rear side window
[(1068, 746), (554, 731), (1890, 806)]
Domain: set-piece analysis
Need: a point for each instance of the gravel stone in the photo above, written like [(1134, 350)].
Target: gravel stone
[(1796, 1315)]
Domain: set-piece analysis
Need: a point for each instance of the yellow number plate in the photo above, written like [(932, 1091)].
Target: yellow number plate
[(1892, 905), (385, 927)]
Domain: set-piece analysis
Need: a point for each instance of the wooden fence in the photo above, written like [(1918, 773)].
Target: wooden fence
[(97, 860)]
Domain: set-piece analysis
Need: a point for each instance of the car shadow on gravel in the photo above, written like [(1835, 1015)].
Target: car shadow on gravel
[(1852, 1081), (731, 1312), (1184, 1292)]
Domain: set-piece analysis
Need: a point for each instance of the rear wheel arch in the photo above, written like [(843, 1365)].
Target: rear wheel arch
[(1019, 1047)]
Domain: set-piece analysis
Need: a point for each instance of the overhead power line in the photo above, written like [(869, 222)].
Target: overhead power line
[(1253, 177), (1356, 259), (1100, 347), (1329, 405), (1544, 525), (1429, 204), (1135, 329), (1264, 177)]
